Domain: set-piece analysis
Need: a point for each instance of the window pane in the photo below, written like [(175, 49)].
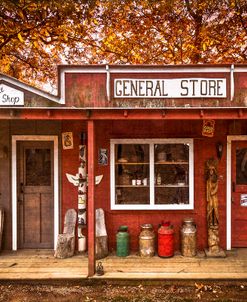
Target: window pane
[(171, 173), (38, 167), (132, 174), (241, 166)]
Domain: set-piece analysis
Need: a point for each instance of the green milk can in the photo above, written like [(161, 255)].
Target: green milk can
[(122, 241)]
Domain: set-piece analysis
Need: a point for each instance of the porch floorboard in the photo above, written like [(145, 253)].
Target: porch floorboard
[(41, 265), (234, 266)]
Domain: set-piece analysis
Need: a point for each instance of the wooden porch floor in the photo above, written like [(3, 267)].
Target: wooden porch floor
[(41, 265)]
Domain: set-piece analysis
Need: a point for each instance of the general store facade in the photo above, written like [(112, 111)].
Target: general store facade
[(149, 130)]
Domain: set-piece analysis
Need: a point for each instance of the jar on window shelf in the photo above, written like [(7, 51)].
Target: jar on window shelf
[(188, 238), (158, 179), (147, 241)]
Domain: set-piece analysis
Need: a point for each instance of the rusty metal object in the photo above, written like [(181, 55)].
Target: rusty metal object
[(147, 241), (99, 269), (188, 238)]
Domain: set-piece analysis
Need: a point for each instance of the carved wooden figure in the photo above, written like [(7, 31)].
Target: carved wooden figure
[(212, 192), (211, 172)]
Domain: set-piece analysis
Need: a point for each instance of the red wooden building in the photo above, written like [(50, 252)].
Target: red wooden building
[(150, 130)]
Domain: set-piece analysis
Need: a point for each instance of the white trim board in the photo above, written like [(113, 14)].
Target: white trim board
[(230, 138), (15, 139)]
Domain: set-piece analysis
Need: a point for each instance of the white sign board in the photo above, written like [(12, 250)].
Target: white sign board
[(170, 88), (10, 96)]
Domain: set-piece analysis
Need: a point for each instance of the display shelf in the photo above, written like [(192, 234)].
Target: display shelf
[(132, 186), (171, 186), (172, 163), (129, 164)]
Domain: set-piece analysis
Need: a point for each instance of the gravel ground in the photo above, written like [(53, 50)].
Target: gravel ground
[(125, 291)]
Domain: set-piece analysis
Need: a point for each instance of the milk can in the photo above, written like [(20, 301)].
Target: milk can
[(147, 241), (188, 238), (166, 240), (122, 241)]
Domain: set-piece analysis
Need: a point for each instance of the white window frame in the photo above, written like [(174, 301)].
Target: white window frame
[(151, 143)]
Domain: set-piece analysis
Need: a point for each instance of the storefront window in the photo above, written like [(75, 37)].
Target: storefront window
[(152, 174)]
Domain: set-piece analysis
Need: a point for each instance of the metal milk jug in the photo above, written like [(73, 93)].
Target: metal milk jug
[(188, 238), (122, 238), (147, 241)]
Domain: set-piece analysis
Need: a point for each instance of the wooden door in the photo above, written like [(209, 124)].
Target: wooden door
[(239, 194), (35, 194)]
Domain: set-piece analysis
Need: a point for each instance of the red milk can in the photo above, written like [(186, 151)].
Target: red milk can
[(166, 240)]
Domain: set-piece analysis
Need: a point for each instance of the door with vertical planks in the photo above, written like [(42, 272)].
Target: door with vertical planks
[(35, 194), (239, 194)]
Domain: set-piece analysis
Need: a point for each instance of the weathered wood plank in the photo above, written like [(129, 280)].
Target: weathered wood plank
[(44, 266)]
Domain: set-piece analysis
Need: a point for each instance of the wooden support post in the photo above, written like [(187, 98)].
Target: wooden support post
[(90, 207)]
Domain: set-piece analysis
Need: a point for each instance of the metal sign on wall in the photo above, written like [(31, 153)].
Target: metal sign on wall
[(170, 88), (10, 96)]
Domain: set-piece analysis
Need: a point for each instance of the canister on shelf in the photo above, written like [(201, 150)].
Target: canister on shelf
[(188, 238), (147, 241)]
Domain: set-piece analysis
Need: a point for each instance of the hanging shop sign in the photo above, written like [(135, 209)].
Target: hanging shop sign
[(10, 96), (170, 88)]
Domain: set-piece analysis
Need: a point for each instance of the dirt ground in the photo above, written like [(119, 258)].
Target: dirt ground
[(137, 291)]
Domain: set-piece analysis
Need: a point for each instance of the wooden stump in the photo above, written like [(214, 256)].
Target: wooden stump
[(101, 245), (65, 246), (66, 241)]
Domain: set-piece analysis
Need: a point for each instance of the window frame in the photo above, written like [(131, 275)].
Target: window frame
[(152, 205)]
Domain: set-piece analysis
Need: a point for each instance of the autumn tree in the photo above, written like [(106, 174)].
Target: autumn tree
[(35, 36)]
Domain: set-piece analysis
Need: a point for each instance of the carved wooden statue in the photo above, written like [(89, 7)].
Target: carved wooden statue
[(211, 172), (212, 192)]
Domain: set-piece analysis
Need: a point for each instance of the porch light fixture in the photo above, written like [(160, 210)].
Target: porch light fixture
[(219, 150)]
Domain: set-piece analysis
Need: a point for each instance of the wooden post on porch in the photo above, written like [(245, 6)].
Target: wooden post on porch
[(91, 208)]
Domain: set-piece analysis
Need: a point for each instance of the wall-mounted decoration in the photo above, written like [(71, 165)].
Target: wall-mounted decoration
[(208, 128), (103, 157), (243, 200), (67, 140)]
